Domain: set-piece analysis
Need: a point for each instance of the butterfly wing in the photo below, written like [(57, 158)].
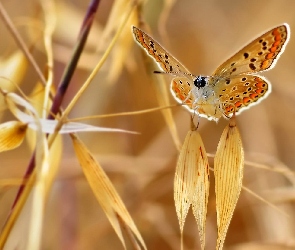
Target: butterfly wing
[(181, 90), (259, 55), (241, 92), (163, 58)]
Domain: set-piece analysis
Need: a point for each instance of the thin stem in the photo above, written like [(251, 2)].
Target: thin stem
[(64, 83), (140, 112), (18, 39), (101, 62), (93, 73), (50, 23)]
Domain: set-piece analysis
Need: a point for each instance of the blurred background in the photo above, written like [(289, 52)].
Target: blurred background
[(201, 34)]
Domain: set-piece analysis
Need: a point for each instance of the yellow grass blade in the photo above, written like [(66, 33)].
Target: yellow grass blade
[(105, 192), (50, 24), (12, 134), (12, 70), (56, 148), (163, 99), (24, 227), (200, 198), (228, 171), (25, 221), (32, 198), (15, 232), (122, 49), (44, 178), (191, 182)]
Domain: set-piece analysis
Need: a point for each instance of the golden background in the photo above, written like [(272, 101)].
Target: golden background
[(201, 34)]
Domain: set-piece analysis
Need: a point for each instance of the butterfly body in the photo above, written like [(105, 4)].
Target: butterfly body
[(233, 87)]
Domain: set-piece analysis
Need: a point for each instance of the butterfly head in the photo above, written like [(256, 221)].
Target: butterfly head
[(200, 81)]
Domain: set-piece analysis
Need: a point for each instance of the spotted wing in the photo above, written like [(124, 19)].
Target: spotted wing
[(181, 90), (259, 55), (163, 58), (241, 92)]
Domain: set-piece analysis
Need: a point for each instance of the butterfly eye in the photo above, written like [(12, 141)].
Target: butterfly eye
[(200, 81)]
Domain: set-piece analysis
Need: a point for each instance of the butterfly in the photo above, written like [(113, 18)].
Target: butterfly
[(233, 87)]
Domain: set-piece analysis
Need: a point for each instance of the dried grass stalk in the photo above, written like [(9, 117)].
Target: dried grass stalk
[(228, 171), (191, 183)]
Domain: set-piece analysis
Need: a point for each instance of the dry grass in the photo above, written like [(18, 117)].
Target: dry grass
[(201, 34)]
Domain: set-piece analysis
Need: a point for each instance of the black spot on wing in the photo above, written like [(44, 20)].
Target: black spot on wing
[(252, 66)]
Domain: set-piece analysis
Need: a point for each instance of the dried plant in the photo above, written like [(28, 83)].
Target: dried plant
[(73, 70)]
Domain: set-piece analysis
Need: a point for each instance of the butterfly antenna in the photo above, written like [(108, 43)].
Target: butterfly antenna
[(159, 72), (174, 73)]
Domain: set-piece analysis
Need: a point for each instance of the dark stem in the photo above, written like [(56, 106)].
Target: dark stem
[(70, 69), (65, 80)]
